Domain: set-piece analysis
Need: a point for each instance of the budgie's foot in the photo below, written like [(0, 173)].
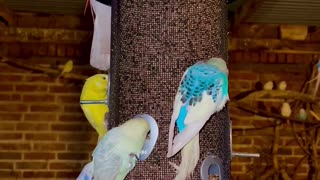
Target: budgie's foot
[(132, 155)]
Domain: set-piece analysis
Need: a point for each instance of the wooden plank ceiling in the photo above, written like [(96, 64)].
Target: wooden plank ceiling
[(302, 12), (306, 12), (63, 7), (257, 25)]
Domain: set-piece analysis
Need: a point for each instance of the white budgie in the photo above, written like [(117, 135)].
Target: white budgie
[(203, 91), (286, 110), (282, 85), (268, 85)]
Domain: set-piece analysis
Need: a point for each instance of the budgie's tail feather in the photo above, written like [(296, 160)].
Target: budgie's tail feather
[(183, 138), (171, 133), (190, 155)]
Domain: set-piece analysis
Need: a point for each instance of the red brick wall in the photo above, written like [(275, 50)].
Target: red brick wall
[(43, 132), (244, 75)]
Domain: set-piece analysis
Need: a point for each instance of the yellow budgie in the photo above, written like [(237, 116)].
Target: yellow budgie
[(93, 102), (68, 66)]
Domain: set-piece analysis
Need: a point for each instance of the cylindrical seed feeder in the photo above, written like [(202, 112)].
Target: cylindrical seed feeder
[(153, 42)]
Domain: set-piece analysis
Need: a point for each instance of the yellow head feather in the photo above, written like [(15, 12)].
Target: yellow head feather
[(95, 88)]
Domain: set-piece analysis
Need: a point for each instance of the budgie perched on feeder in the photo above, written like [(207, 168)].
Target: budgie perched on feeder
[(93, 102), (203, 91), (117, 152), (101, 41)]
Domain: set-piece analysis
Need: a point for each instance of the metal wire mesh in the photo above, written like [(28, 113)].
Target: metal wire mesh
[(153, 42)]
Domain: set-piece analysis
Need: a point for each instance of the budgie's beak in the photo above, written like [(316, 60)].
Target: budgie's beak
[(154, 133), (211, 166)]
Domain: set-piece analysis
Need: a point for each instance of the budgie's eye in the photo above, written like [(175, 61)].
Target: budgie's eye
[(104, 78)]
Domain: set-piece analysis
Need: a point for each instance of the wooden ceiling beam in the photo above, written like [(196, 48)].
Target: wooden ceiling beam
[(273, 45), (273, 31), (30, 20), (37, 35), (245, 11), (6, 15)]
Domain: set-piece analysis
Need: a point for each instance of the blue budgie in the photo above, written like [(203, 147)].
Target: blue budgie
[(203, 91)]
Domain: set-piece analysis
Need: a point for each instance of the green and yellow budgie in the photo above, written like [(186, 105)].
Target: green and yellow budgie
[(93, 102), (118, 151)]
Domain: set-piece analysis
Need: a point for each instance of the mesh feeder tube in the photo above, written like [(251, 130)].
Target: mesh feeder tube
[(153, 43)]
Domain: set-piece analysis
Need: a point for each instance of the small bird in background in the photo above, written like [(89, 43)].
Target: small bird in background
[(318, 80), (302, 114), (268, 85), (87, 172), (68, 66), (93, 102), (203, 91), (286, 110), (117, 152), (282, 86)]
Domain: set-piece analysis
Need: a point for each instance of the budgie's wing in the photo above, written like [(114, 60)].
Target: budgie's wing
[(185, 136), (177, 101), (175, 114), (110, 168), (107, 162), (106, 144), (95, 114)]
